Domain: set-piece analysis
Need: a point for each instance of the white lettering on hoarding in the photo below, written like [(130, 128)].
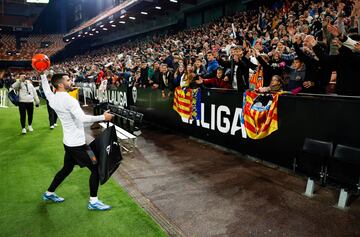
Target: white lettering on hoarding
[(221, 120), (116, 97), (212, 117), (203, 123)]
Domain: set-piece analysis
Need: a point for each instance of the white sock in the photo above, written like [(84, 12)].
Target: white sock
[(49, 193), (93, 200)]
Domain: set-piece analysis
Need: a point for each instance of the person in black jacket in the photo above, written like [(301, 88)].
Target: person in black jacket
[(155, 78), (239, 66), (8, 81), (166, 83), (346, 65), (268, 71), (144, 75), (347, 82), (51, 113), (315, 71)]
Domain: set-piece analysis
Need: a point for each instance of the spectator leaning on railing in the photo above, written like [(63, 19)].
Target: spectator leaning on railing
[(166, 83), (219, 81)]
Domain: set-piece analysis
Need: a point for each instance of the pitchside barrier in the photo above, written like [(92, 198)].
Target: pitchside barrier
[(327, 118)]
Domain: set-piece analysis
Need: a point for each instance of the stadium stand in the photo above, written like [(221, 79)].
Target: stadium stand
[(47, 44), (273, 35)]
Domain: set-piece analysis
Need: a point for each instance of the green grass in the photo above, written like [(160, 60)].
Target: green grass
[(29, 162)]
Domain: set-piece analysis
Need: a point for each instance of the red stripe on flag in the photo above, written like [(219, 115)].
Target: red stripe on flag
[(182, 103), (183, 111)]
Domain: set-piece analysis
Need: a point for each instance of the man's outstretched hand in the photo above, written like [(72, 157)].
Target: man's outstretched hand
[(108, 116)]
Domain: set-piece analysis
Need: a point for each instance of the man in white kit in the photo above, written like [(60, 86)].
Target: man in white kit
[(72, 119)]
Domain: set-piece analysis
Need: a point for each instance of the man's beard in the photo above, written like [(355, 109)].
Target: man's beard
[(67, 88)]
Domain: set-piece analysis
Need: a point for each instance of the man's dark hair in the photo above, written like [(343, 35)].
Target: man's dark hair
[(298, 59), (220, 69), (57, 78)]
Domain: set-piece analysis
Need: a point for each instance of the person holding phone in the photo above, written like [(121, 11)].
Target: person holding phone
[(27, 97), (72, 119)]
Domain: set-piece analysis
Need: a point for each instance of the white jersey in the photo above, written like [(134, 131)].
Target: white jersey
[(71, 115)]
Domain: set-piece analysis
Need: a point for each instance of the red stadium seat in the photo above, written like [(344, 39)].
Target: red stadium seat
[(29, 46)]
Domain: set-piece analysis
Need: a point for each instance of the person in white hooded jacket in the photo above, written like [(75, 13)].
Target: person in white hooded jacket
[(27, 97)]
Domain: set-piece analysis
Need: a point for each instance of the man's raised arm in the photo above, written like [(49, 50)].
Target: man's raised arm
[(46, 87)]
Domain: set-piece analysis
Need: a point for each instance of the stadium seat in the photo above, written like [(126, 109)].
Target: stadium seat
[(312, 161), (29, 46), (126, 119), (344, 169), (138, 121)]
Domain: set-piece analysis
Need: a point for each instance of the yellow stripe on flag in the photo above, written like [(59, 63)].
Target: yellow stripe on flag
[(181, 113), (183, 100)]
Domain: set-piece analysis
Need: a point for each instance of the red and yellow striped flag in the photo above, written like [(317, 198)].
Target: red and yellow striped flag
[(183, 102), (260, 114), (257, 81)]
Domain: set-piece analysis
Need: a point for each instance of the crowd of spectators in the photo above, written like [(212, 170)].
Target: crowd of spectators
[(298, 46)]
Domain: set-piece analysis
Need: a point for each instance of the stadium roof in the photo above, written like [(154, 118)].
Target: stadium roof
[(130, 10), (19, 14)]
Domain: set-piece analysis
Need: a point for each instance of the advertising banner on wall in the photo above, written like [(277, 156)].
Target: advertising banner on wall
[(220, 119)]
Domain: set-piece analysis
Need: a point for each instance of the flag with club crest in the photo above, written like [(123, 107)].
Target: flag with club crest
[(259, 116), (187, 102)]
